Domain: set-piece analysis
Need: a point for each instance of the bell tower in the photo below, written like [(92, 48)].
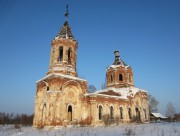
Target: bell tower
[(63, 51), (119, 74)]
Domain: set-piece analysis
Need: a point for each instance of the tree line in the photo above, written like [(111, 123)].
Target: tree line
[(23, 119)]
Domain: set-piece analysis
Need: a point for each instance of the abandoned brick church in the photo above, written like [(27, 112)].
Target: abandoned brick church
[(62, 97)]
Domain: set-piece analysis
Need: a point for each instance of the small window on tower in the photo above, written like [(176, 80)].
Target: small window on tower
[(111, 78), (47, 88), (120, 77), (69, 55), (60, 58)]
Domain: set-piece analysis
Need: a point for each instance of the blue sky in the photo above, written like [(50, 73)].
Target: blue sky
[(147, 34)]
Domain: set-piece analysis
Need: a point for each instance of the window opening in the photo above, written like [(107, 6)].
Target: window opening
[(111, 112), (111, 78), (137, 115), (69, 55), (70, 113), (47, 88), (129, 112), (120, 77), (60, 58), (121, 112), (100, 112)]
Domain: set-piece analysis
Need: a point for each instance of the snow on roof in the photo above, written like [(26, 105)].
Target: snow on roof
[(158, 115), (123, 92), (115, 66), (104, 95), (63, 76), (65, 31)]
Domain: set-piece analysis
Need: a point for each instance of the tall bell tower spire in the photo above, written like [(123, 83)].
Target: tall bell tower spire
[(64, 50), (67, 12)]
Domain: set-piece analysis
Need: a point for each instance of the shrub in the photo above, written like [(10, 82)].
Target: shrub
[(129, 132), (107, 120), (17, 126), (86, 121), (117, 120)]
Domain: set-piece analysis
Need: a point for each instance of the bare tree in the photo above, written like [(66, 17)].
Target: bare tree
[(103, 86), (153, 103), (170, 110), (91, 89)]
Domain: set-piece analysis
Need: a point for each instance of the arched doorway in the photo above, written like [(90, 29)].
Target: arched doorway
[(70, 113), (138, 115)]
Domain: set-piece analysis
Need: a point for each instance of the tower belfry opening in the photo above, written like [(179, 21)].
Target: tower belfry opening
[(63, 60), (60, 54)]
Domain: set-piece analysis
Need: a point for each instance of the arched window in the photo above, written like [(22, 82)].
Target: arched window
[(111, 78), (129, 113), (121, 113), (69, 55), (100, 112), (120, 77), (70, 113), (111, 112), (60, 58)]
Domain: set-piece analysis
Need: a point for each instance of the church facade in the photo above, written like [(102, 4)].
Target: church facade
[(62, 97)]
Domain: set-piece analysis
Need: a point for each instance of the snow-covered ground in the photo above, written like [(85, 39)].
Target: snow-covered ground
[(152, 129)]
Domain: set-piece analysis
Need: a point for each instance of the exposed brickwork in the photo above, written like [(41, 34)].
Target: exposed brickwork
[(62, 98)]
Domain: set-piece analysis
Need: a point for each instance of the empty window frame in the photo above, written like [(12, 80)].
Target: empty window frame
[(100, 112), (120, 77), (121, 113), (60, 58)]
